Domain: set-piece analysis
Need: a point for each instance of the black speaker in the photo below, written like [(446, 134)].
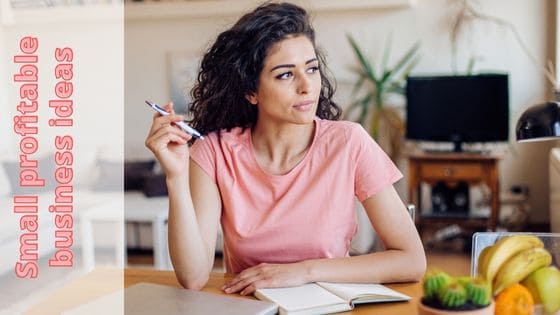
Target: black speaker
[(447, 199), (440, 197), (459, 198)]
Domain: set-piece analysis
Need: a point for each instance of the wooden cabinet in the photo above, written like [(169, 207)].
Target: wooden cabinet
[(452, 168)]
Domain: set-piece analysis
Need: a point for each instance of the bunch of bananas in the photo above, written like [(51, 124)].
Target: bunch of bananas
[(511, 259)]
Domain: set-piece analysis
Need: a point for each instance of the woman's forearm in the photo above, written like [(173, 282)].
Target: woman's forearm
[(189, 254), (380, 267)]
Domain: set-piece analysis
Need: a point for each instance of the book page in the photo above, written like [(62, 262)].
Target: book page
[(301, 298), (364, 293)]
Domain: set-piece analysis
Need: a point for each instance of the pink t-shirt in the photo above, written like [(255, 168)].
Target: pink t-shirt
[(305, 214)]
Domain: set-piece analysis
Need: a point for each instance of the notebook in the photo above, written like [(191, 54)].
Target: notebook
[(148, 299), (327, 297)]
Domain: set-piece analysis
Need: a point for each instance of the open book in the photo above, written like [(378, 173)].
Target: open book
[(327, 297)]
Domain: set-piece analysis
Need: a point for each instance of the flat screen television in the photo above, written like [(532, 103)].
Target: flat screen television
[(458, 109)]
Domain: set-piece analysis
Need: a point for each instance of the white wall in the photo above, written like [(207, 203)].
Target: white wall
[(147, 43)]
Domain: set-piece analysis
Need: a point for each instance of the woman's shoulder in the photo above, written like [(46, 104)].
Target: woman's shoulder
[(347, 129), (232, 137)]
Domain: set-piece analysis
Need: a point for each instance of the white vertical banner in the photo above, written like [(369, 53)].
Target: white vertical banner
[(61, 155)]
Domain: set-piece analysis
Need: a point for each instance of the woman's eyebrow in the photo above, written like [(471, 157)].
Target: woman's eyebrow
[(291, 65)]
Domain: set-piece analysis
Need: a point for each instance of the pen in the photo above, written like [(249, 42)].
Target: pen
[(188, 129)]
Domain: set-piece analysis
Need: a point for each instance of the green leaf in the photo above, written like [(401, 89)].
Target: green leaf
[(386, 76), (366, 66), (408, 69), (397, 87), (406, 58), (387, 52)]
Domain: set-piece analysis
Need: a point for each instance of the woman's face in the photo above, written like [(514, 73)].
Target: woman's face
[(289, 83)]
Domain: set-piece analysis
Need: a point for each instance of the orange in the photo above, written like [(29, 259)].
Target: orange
[(515, 300)]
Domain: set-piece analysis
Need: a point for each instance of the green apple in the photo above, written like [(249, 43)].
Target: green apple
[(544, 285)]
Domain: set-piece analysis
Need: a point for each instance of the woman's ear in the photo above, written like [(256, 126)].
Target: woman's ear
[(252, 98)]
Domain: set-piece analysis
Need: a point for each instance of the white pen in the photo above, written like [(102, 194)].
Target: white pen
[(188, 129)]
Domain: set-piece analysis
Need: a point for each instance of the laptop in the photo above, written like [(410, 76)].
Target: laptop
[(148, 299)]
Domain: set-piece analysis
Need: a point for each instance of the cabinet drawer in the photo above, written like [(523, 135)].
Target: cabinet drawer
[(451, 171)]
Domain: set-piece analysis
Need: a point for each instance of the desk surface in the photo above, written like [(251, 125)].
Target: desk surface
[(133, 276), (101, 282)]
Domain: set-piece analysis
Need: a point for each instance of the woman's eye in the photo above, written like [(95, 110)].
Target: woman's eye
[(284, 76), (312, 69)]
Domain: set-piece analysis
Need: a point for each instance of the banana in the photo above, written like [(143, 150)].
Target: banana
[(504, 249), (520, 266), (483, 261)]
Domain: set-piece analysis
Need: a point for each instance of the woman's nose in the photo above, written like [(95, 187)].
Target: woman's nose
[(304, 85)]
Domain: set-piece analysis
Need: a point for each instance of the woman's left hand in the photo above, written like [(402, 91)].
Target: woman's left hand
[(267, 276)]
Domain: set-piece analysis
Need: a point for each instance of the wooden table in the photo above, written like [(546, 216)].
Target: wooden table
[(102, 281), (133, 276)]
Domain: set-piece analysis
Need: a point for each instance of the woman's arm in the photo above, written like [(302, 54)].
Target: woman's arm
[(402, 261), (193, 226), (194, 210)]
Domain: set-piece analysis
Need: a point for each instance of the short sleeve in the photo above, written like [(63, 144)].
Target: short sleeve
[(203, 153), (374, 170)]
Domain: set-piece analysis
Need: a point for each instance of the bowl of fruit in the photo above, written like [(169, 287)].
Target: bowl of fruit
[(511, 273), (522, 269)]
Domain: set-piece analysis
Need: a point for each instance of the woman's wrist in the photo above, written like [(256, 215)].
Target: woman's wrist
[(176, 181), (310, 271)]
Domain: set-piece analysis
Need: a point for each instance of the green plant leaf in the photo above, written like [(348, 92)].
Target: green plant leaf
[(406, 58), (406, 72), (365, 64), (387, 52), (386, 76), (397, 87)]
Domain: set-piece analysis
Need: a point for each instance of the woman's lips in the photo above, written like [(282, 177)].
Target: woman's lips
[(304, 106)]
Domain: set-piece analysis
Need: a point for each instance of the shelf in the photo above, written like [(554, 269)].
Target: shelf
[(143, 10), (179, 9), (63, 15)]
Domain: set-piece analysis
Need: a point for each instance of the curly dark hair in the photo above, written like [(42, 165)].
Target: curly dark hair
[(230, 68)]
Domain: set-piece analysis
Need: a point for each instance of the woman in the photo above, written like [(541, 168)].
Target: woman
[(277, 169)]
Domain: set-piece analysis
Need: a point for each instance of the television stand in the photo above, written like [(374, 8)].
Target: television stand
[(451, 168)]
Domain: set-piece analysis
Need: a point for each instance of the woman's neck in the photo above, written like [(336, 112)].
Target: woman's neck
[(279, 149)]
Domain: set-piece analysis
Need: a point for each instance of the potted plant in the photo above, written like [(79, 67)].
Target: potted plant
[(377, 85), (445, 295)]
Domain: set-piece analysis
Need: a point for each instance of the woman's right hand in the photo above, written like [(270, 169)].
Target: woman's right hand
[(168, 142)]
